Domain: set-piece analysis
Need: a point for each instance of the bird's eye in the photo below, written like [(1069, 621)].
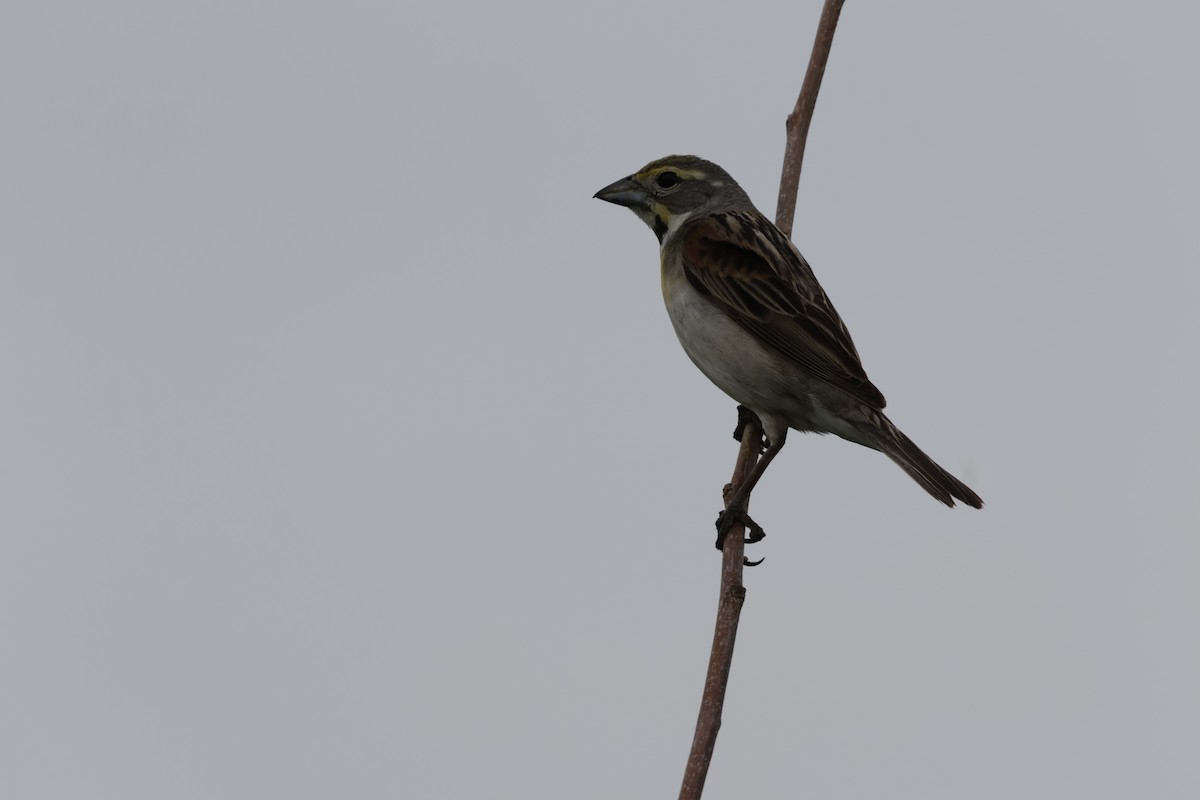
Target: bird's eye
[(666, 180)]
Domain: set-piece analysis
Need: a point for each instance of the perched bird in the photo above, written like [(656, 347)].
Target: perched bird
[(750, 314)]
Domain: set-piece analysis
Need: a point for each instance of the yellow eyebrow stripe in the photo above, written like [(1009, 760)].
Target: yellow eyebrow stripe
[(690, 174)]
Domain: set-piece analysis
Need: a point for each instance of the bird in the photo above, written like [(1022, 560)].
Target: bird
[(750, 314)]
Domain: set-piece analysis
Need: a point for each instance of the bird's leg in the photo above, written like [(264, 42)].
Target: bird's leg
[(742, 494), (735, 507)]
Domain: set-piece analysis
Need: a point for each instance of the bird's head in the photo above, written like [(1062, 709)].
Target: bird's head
[(667, 192)]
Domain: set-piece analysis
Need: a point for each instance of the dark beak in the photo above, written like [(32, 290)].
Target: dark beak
[(625, 192)]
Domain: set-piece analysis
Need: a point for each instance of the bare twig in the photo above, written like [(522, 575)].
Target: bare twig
[(729, 610), (801, 116), (733, 592)]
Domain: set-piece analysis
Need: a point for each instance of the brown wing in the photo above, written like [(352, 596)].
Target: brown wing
[(741, 260)]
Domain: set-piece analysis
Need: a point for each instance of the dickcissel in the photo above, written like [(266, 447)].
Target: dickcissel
[(750, 314)]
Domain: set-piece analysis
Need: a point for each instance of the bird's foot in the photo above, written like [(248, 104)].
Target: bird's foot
[(732, 515), (748, 417)]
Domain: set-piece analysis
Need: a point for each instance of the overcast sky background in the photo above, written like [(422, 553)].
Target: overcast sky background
[(347, 451)]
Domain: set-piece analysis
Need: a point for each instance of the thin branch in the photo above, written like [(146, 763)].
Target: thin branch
[(801, 117), (729, 611), (733, 592)]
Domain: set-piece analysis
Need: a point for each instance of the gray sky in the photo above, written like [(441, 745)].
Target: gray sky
[(347, 451)]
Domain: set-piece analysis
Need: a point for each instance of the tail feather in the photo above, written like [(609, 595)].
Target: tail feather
[(889, 440)]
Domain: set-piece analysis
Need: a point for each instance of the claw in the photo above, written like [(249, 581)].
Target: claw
[(745, 417), (748, 563), (757, 534), (728, 517), (725, 521), (748, 417)]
